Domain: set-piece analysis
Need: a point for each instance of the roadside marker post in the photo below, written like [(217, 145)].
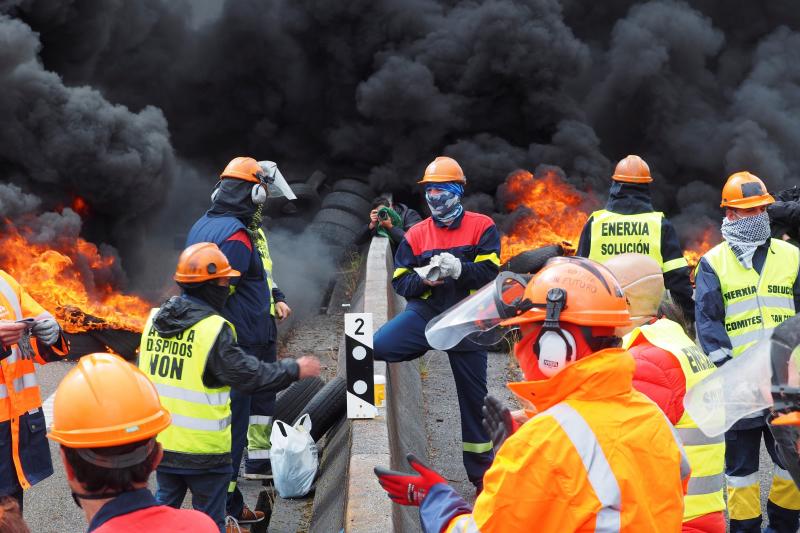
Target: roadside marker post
[(359, 365)]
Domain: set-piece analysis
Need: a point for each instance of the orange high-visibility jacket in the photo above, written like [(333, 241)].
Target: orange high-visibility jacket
[(19, 389), (598, 456)]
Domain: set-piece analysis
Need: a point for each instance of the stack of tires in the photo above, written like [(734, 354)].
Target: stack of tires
[(344, 212), (325, 403)]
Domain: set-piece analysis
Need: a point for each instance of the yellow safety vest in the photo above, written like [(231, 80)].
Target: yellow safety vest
[(614, 234), (201, 416), (706, 454), (755, 305), (266, 259)]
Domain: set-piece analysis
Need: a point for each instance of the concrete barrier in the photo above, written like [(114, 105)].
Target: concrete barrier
[(368, 509), (399, 428)]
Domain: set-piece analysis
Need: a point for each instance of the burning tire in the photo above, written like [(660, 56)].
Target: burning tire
[(347, 201), (291, 401), (356, 187), (326, 407), (532, 261)]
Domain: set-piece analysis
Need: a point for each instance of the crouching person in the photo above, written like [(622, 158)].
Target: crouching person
[(190, 353), (106, 416)]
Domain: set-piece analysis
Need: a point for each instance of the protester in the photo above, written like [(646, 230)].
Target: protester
[(630, 224), (598, 456), (233, 223), (746, 286), (29, 336), (189, 351), (106, 415), (464, 248), (668, 365)]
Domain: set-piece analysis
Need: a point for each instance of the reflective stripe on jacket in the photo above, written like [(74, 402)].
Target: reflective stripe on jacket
[(706, 454), (20, 398), (613, 234), (201, 416), (263, 250), (599, 456), (755, 304)]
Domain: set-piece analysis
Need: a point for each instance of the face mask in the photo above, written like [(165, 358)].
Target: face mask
[(744, 235), (211, 293), (445, 205)]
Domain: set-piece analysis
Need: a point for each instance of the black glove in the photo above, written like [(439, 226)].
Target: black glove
[(497, 421)]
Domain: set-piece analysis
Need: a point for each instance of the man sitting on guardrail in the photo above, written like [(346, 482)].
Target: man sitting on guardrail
[(438, 263)]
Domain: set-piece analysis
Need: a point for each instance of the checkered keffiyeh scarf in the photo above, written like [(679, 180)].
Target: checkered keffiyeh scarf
[(745, 235)]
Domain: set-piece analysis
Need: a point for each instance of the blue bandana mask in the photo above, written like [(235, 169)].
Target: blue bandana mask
[(444, 201)]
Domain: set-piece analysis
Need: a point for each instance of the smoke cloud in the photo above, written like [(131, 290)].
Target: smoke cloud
[(115, 101)]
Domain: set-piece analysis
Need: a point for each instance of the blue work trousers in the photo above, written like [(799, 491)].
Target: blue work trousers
[(403, 339), (208, 493), (742, 448)]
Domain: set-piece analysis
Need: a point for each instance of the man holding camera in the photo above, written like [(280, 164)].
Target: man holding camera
[(388, 220)]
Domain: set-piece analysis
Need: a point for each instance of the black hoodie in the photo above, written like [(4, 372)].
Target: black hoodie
[(226, 364), (632, 199)]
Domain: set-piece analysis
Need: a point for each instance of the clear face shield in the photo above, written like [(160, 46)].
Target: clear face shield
[(276, 183), (764, 377), (478, 316)]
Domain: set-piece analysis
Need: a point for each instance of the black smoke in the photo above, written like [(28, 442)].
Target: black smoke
[(115, 100)]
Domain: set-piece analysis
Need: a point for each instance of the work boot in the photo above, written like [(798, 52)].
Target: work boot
[(250, 517), (232, 526), (257, 469)]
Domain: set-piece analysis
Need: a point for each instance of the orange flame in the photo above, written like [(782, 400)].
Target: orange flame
[(73, 282), (700, 246), (80, 206), (558, 211)]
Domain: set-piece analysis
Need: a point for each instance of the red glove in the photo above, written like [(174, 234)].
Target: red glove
[(408, 489)]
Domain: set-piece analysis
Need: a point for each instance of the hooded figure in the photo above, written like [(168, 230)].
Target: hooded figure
[(234, 224), (630, 224)]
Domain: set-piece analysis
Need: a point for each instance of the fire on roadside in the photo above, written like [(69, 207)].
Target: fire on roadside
[(555, 213), (72, 280)]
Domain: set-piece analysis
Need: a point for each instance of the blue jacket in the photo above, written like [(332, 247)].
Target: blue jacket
[(632, 199), (248, 307), (472, 238)]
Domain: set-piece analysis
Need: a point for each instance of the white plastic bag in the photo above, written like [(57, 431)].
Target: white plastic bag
[(294, 458)]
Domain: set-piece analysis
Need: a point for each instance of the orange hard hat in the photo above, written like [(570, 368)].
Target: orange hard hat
[(744, 190), (201, 262), (632, 169), (443, 170), (106, 401), (593, 295), (244, 168)]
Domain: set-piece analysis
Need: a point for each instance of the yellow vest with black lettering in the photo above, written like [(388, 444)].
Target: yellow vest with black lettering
[(201, 416), (755, 304), (266, 260), (614, 234), (706, 454)]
